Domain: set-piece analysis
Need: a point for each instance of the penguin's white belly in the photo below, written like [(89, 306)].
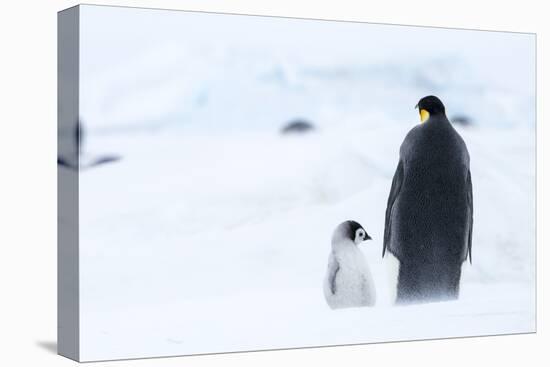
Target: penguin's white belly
[(391, 265), (353, 285)]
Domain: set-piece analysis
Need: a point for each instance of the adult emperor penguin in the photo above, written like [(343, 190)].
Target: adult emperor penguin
[(429, 215), (348, 282)]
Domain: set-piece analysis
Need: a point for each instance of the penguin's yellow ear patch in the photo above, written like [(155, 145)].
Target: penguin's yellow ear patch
[(424, 115)]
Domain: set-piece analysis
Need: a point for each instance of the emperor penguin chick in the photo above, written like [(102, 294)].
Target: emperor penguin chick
[(348, 282)]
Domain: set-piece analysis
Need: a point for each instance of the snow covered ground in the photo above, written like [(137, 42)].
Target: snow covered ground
[(212, 233)]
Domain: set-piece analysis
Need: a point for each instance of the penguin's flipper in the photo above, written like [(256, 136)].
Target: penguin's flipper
[(394, 192), (470, 213), (333, 268)]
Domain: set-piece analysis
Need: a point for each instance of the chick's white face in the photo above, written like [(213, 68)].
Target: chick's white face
[(360, 236)]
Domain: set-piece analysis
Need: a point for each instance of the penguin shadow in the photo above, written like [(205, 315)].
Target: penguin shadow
[(48, 345), (82, 161)]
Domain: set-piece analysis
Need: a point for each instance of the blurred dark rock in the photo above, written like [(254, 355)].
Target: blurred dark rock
[(79, 160), (298, 126), (461, 120)]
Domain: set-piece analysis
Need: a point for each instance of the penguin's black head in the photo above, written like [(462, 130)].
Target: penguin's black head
[(356, 232), (430, 106)]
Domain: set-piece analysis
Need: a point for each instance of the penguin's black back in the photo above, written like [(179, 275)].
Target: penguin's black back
[(428, 224)]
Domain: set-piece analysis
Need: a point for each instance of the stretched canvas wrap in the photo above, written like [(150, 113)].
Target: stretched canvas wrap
[(236, 183)]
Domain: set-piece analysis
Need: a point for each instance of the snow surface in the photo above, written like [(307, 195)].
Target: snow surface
[(212, 232)]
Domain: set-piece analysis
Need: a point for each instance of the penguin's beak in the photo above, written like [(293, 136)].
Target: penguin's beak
[(367, 237)]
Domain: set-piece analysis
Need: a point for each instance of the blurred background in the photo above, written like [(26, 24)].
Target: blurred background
[(236, 144)]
